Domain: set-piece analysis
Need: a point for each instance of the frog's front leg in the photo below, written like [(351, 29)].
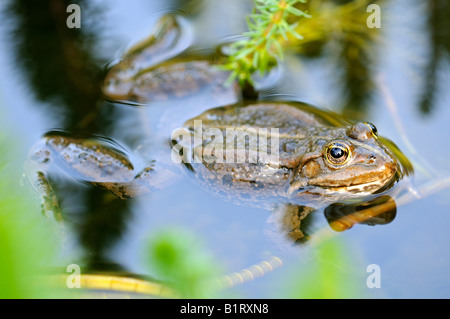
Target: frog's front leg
[(94, 160), (292, 221)]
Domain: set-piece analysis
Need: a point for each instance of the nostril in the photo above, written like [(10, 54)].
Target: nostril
[(371, 159)]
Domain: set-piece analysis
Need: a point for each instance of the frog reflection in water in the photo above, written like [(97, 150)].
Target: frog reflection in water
[(321, 158)]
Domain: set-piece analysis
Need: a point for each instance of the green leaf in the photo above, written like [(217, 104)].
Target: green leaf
[(180, 259), (296, 11), (259, 49), (255, 59)]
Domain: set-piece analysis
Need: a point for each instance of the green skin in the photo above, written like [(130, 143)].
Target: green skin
[(305, 177), (305, 173)]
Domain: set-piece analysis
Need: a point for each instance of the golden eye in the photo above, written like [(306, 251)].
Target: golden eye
[(337, 153), (373, 129)]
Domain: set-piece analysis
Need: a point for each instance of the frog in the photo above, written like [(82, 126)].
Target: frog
[(312, 158)]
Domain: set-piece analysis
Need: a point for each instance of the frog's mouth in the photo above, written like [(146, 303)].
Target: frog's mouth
[(365, 185), (362, 189)]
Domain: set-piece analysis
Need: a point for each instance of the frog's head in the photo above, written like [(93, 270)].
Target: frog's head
[(353, 162)]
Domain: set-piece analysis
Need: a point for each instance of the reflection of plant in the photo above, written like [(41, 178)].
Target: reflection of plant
[(438, 26), (268, 28), (340, 31), (61, 65)]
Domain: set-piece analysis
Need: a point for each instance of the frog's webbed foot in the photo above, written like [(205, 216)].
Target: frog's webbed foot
[(49, 201), (148, 180), (35, 168), (290, 220)]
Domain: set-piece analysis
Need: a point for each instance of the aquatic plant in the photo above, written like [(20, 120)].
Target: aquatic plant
[(262, 45), (180, 260), (329, 275)]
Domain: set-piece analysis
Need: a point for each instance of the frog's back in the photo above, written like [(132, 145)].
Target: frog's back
[(287, 116), (292, 124), (286, 148)]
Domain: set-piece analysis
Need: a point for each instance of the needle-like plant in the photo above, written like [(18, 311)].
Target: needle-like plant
[(263, 44)]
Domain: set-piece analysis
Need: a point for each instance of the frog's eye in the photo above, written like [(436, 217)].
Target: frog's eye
[(372, 128), (337, 153)]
